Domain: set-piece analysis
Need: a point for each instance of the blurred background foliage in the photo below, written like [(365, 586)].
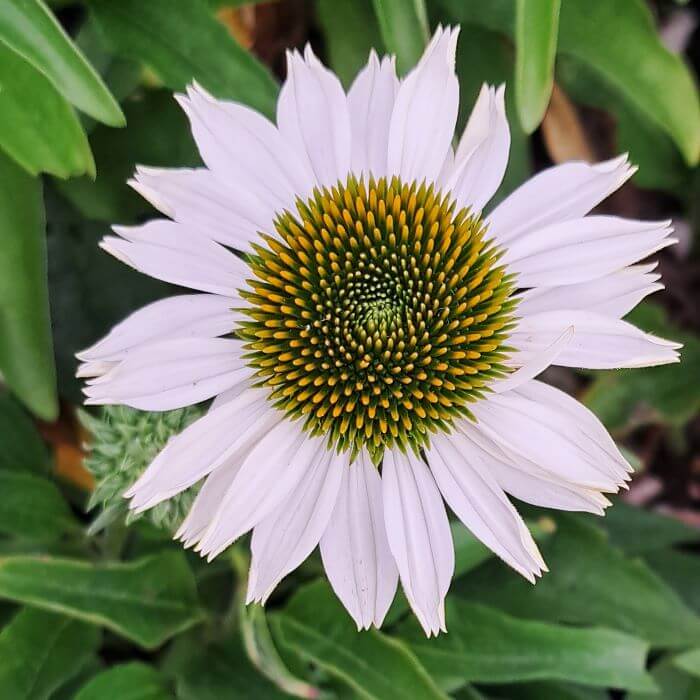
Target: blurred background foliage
[(93, 607)]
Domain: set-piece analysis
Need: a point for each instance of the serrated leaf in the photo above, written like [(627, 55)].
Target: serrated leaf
[(484, 645), (404, 28), (40, 651), (536, 28), (590, 582), (317, 627), (130, 681), (32, 507), (38, 128), (146, 601), (26, 352), (182, 42), (28, 27), (22, 446)]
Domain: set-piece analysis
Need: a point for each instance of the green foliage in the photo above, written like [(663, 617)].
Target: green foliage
[(404, 28), (131, 681)]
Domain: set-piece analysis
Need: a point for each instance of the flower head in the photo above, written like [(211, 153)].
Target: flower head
[(370, 336)]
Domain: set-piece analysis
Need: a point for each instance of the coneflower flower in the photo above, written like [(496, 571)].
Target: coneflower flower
[(369, 337)]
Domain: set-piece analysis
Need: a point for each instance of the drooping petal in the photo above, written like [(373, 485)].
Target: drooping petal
[(599, 342), (613, 295), (171, 374), (204, 446), (313, 116), (419, 536), (482, 155), (281, 459), (560, 193), (546, 435), (244, 149), (479, 502), (169, 252), (425, 112), (198, 199), (583, 249), (355, 549), (371, 102), (286, 537), (184, 316)]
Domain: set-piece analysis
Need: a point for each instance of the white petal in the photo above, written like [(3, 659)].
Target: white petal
[(528, 482), (419, 536), (354, 547), (184, 316), (171, 374), (94, 368), (371, 102), (245, 150), (560, 193), (197, 198), (286, 537), (425, 113), (479, 502), (613, 295), (599, 342), (313, 116), (169, 252), (482, 155), (271, 470), (548, 436), (583, 249), (215, 439)]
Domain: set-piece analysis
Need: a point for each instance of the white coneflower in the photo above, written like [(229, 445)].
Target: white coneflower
[(380, 337)]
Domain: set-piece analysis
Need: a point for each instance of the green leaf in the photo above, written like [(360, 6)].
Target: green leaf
[(689, 662), (182, 42), (626, 399), (590, 582), (33, 508), (26, 353), (483, 645), (637, 531), (131, 681), (350, 30), (681, 571), (673, 683), (38, 128), (22, 446), (404, 28), (552, 690), (146, 601), (315, 625), (617, 39), (39, 651), (157, 134), (28, 27), (536, 27), (217, 671)]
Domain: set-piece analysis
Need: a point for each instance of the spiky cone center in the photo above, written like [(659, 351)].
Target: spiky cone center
[(377, 313)]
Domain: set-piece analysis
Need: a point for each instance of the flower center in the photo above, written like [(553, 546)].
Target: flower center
[(377, 313)]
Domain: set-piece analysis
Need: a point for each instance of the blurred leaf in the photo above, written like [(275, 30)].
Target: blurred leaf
[(618, 39), (39, 651), (664, 392), (130, 681), (373, 665), (182, 42), (26, 353), (689, 662), (28, 27), (157, 134), (146, 601), (217, 671), (673, 684), (681, 570), (590, 582), (33, 508), (485, 646), (38, 128), (543, 690), (351, 31), (637, 531), (22, 447), (536, 27), (404, 28)]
